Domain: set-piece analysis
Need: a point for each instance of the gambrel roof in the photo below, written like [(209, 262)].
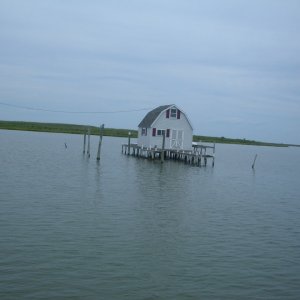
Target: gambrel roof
[(155, 113), (152, 116)]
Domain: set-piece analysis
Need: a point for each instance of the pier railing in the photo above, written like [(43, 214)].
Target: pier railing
[(199, 155)]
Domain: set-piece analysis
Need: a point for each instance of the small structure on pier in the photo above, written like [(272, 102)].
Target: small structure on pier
[(166, 133), (168, 121)]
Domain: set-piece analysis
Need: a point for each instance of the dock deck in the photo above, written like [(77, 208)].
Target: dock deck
[(198, 156)]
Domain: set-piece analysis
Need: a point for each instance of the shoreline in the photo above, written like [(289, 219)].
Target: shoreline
[(117, 132)]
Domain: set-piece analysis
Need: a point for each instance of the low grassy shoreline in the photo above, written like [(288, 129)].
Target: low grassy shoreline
[(80, 129), (62, 128)]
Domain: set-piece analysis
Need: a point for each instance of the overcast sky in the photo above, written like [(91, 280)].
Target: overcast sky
[(233, 66)]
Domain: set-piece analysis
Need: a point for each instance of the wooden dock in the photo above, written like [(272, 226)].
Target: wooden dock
[(199, 156)]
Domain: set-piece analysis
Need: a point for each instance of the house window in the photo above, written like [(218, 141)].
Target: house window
[(160, 132), (173, 113), (168, 133), (144, 131)]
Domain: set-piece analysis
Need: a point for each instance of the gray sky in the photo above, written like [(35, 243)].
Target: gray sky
[(232, 66)]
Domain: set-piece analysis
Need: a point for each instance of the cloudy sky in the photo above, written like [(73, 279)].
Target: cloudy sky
[(233, 66)]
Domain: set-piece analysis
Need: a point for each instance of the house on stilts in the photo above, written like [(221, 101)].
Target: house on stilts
[(167, 133)]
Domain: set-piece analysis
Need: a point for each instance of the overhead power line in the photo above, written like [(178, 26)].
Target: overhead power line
[(73, 112)]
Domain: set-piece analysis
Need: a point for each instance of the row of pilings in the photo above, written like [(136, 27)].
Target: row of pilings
[(198, 156), (87, 137)]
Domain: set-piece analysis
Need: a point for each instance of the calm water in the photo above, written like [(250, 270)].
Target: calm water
[(129, 228)]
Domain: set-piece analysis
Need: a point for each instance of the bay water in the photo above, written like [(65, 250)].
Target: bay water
[(131, 228)]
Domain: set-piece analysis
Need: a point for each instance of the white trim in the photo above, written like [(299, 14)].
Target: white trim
[(162, 131), (175, 142), (176, 113), (171, 106)]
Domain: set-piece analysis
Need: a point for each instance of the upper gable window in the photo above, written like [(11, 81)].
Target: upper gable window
[(173, 113)]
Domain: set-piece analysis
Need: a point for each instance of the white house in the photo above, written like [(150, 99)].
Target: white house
[(168, 120)]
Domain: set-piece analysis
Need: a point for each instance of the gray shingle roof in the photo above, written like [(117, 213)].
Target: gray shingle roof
[(152, 115)]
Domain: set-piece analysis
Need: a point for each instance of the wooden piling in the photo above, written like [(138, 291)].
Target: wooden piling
[(100, 141), (129, 136), (84, 142), (89, 142), (163, 147), (253, 165), (200, 157)]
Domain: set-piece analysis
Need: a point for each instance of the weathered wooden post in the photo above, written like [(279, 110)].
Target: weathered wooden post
[(84, 141), (129, 136), (100, 141), (213, 160), (253, 165), (163, 147), (200, 156), (89, 143)]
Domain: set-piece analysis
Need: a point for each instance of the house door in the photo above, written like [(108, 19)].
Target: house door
[(176, 139)]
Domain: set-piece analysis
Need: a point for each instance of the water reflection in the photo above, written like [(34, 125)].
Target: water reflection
[(161, 203)]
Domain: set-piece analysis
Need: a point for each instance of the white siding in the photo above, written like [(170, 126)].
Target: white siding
[(175, 124), (144, 140), (163, 123)]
